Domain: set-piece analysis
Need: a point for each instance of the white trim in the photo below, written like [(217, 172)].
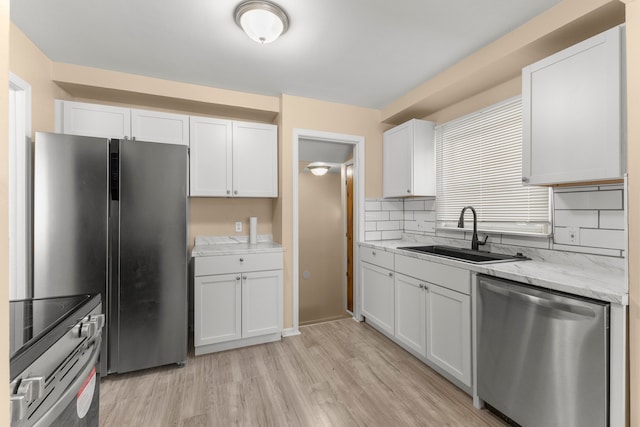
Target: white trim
[(19, 187), (290, 332), (358, 208)]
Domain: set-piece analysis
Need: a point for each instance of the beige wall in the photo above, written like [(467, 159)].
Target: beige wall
[(30, 64), (633, 141), (4, 208), (310, 114), (212, 216), (321, 246)]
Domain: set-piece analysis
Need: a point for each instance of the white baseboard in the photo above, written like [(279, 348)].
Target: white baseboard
[(290, 332)]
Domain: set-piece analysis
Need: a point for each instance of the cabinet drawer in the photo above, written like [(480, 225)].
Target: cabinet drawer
[(224, 264), (456, 279), (378, 257)]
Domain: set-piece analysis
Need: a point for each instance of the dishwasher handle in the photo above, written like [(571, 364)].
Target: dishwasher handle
[(573, 307)]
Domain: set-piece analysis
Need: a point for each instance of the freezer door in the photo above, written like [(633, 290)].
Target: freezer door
[(152, 324), (70, 215)]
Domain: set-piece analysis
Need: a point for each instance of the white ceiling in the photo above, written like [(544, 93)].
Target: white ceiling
[(359, 52)]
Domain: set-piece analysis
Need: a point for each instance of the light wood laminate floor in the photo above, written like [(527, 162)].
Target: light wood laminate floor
[(340, 373)]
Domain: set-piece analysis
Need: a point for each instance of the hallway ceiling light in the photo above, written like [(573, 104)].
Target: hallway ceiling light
[(318, 169), (262, 20)]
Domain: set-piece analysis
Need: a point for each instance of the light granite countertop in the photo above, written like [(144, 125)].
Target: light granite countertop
[(227, 245), (591, 276)]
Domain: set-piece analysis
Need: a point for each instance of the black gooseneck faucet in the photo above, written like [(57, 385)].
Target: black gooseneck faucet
[(475, 243)]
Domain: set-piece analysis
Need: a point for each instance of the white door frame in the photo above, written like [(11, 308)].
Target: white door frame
[(19, 188), (358, 209)]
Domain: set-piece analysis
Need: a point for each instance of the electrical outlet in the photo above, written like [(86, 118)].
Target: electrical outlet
[(238, 226), (574, 235)]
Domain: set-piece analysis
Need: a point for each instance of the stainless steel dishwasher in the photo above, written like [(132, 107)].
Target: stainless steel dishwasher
[(543, 356)]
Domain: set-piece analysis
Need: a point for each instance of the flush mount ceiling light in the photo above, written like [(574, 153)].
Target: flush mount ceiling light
[(318, 169), (263, 21)]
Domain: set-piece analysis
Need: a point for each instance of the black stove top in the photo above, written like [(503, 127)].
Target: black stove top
[(39, 322)]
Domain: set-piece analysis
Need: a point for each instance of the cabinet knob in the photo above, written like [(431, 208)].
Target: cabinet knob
[(228, 191), (235, 191), (408, 191), (241, 259), (237, 277), (390, 274), (421, 286), (244, 277), (373, 253), (525, 179)]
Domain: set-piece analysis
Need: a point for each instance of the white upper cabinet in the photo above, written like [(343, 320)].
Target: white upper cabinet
[(255, 160), (102, 121), (211, 157), (574, 113), (80, 118), (409, 160), (156, 126), (233, 159)]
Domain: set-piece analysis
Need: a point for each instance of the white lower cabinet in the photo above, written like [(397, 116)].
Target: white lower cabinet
[(378, 296), (425, 306), (238, 308), (218, 307), (410, 313), (449, 331)]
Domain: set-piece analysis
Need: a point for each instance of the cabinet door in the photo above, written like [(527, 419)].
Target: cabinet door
[(573, 113), (449, 331), (396, 161), (79, 118), (217, 309), (156, 126), (410, 313), (378, 296), (261, 303), (211, 157), (255, 160)]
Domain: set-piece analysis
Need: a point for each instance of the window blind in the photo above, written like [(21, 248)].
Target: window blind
[(479, 163)]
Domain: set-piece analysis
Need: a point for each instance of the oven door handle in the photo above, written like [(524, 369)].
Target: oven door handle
[(71, 392)]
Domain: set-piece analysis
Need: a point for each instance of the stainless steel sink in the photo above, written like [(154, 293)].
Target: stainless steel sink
[(467, 255)]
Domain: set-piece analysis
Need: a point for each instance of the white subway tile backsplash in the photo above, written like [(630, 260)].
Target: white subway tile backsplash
[(376, 216), (414, 205), (531, 242), (589, 200), (584, 250), (396, 215), (576, 218), (388, 225), (391, 235), (408, 215), (613, 220), (608, 239), (425, 216), (370, 226), (562, 236), (430, 205), (372, 235), (372, 206), (392, 206)]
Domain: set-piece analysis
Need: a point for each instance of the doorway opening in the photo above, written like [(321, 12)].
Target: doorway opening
[(324, 252)]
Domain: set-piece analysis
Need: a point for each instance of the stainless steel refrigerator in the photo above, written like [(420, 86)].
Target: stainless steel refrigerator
[(110, 216)]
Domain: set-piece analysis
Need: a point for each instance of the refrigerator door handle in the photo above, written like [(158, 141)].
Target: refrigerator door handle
[(114, 176)]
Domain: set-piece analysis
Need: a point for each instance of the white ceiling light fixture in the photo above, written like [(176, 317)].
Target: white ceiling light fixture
[(262, 20), (318, 168)]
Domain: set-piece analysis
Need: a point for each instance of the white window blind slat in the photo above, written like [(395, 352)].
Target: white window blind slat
[(479, 163)]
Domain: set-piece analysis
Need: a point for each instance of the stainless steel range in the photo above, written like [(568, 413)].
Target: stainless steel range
[(54, 361)]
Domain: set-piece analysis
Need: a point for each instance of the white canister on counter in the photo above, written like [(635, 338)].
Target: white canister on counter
[(253, 229)]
